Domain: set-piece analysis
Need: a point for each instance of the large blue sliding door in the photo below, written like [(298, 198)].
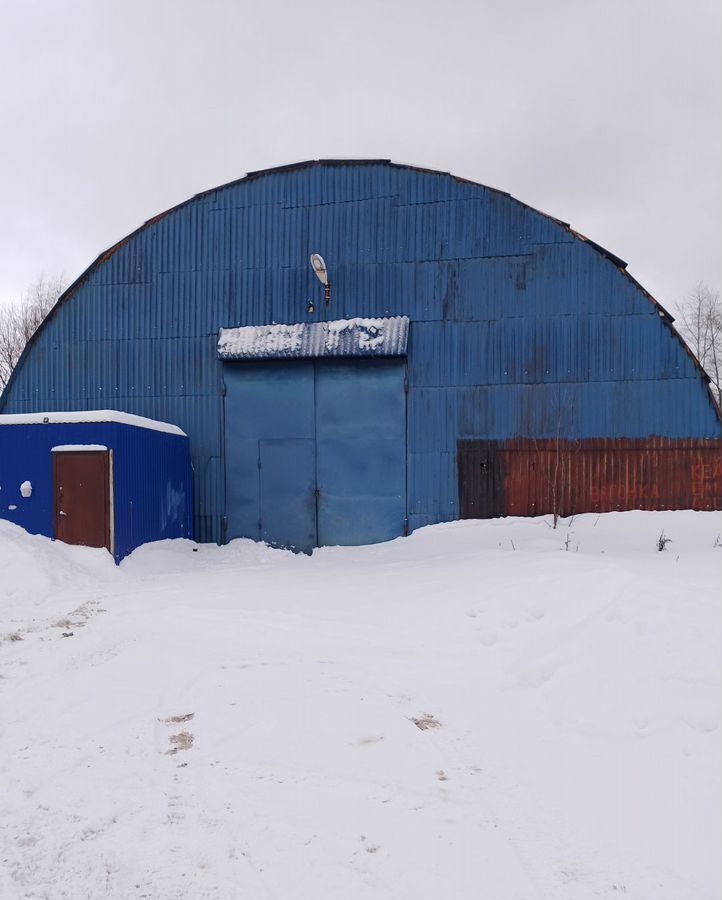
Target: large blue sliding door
[(315, 451)]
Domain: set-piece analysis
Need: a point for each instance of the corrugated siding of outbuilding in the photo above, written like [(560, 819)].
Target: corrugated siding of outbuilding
[(518, 327), (153, 487)]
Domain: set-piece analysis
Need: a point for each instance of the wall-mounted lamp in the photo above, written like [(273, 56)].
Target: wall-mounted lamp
[(319, 267)]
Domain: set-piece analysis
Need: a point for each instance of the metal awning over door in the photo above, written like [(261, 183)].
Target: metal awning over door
[(340, 338), (315, 451)]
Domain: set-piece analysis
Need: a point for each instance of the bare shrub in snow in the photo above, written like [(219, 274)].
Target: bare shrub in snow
[(662, 541)]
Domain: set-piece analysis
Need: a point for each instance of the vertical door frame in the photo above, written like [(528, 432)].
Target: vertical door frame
[(407, 530), (111, 504), (108, 497)]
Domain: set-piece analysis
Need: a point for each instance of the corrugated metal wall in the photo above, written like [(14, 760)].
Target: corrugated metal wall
[(518, 327), (536, 477)]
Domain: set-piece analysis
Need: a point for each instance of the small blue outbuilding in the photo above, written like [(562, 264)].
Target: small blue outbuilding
[(98, 478)]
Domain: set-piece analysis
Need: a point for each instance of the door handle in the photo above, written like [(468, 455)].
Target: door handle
[(61, 512)]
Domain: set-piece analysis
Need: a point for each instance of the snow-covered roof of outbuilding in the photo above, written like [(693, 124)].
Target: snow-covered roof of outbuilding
[(341, 337), (89, 415)]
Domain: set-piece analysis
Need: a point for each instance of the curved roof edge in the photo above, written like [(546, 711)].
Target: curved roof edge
[(620, 264)]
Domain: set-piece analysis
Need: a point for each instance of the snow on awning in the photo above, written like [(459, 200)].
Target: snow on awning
[(342, 337), (77, 448)]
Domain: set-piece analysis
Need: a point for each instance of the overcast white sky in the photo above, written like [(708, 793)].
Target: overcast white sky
[(607, 115)]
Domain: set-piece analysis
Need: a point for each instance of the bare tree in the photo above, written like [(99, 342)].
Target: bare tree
[(555, 456), (20, 320), (700, 324)]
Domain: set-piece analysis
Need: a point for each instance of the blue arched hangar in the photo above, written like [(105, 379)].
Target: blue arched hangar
[(449, 352)]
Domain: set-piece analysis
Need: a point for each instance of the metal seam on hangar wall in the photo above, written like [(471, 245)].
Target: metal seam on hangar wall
[(513, 317)]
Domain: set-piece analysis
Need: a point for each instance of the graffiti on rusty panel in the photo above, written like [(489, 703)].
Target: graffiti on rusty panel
[(706, 484), (616, 494)]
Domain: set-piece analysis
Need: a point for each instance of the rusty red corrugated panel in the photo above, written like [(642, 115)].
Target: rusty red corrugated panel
[(527, 477), (569, 477)]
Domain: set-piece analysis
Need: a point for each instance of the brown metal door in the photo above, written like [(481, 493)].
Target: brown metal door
[(481, 480), (82, 497)]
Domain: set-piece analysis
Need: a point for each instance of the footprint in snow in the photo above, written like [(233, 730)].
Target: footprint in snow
[(369, 739), (179, 719), (370, 848), (426, 722), (184, 739), (181, 741)]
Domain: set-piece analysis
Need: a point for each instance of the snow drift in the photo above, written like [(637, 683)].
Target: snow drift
[(484, 709)]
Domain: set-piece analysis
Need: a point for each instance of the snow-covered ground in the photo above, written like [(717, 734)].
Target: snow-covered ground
[(483, 710)]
